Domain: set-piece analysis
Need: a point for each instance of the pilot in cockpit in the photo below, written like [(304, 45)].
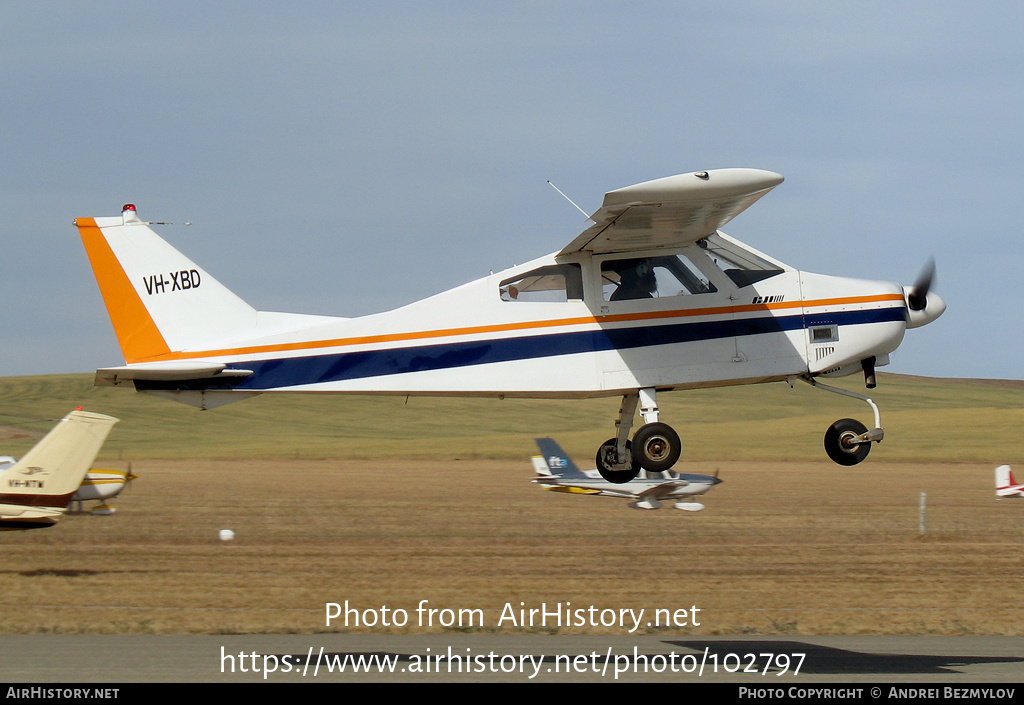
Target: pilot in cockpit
[(636, 282)]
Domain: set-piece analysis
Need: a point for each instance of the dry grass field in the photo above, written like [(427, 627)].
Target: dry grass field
[(795, 548), (925, 420), (389, 502)]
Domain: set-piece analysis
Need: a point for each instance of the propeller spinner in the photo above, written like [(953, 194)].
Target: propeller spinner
[(923, 304)]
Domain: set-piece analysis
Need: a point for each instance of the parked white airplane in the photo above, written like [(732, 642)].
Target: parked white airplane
[(557, 472), (650, 298), (35, 491), (102, 486), (1006, 484)]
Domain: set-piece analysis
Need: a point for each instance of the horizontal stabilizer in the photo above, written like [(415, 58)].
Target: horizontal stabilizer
[(164, 372), (16, 517)]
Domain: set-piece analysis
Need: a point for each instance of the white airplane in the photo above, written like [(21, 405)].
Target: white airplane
[(35, 491), (1006, 484), (557, 472), (102, 486), (648, 299)]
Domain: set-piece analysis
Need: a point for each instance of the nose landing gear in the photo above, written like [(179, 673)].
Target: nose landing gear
[(848, 441)]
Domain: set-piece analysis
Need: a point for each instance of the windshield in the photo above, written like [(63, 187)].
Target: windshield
[(742, 265)]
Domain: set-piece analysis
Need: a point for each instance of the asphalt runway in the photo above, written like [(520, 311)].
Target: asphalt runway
[(763, 662)]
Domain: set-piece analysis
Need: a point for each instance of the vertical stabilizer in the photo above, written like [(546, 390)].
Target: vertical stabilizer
[(1006, 483), (558, 461), (158, 300), (48, 475)]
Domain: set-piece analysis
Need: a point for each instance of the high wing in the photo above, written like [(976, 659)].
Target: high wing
[(672, 211)]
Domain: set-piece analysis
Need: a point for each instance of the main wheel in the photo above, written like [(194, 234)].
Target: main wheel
[(839, 443), (656, 447), (606, 457)]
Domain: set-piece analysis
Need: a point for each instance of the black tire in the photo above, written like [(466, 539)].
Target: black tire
[(837, 442), (605, 455), (656, 446)]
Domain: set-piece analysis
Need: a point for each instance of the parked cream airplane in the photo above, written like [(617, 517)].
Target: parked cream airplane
[(98, 485), (1006, 484), (35, 491), (650, 298), (557, 472)]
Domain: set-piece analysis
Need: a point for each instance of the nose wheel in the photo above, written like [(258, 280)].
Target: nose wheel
[(842, 444)]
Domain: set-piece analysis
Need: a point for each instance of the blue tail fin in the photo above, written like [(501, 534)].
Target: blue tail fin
[(558, 462)]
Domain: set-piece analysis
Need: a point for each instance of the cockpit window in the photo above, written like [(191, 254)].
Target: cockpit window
[(554, 283), (652, 277), (742, 266)]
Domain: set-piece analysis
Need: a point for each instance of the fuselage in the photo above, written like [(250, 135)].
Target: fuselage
[(690, 485), (712, 313)]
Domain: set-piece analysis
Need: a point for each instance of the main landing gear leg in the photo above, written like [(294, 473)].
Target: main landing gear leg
[(848, 441), (615, 459), (655, 447)]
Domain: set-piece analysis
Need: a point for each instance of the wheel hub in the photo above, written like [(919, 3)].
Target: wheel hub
[(848, 443), (657, 448)]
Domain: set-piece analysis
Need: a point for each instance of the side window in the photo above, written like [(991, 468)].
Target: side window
[(652, 277), (555, 283)]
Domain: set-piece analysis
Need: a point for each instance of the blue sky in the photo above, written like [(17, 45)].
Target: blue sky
[(346, 158)]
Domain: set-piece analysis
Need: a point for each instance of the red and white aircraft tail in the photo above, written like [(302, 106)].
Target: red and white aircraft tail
[(1006, 483)]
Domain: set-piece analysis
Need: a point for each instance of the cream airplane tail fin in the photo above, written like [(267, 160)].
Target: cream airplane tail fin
[(35, 490), (159, 301)]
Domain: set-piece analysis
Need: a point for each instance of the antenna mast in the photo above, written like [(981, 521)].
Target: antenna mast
[(585, 214)]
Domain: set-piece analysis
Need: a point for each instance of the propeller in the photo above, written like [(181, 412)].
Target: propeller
[(129, 475), (923, 304), (917, 297)]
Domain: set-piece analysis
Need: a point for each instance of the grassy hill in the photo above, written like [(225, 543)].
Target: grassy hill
[(925, 419)]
